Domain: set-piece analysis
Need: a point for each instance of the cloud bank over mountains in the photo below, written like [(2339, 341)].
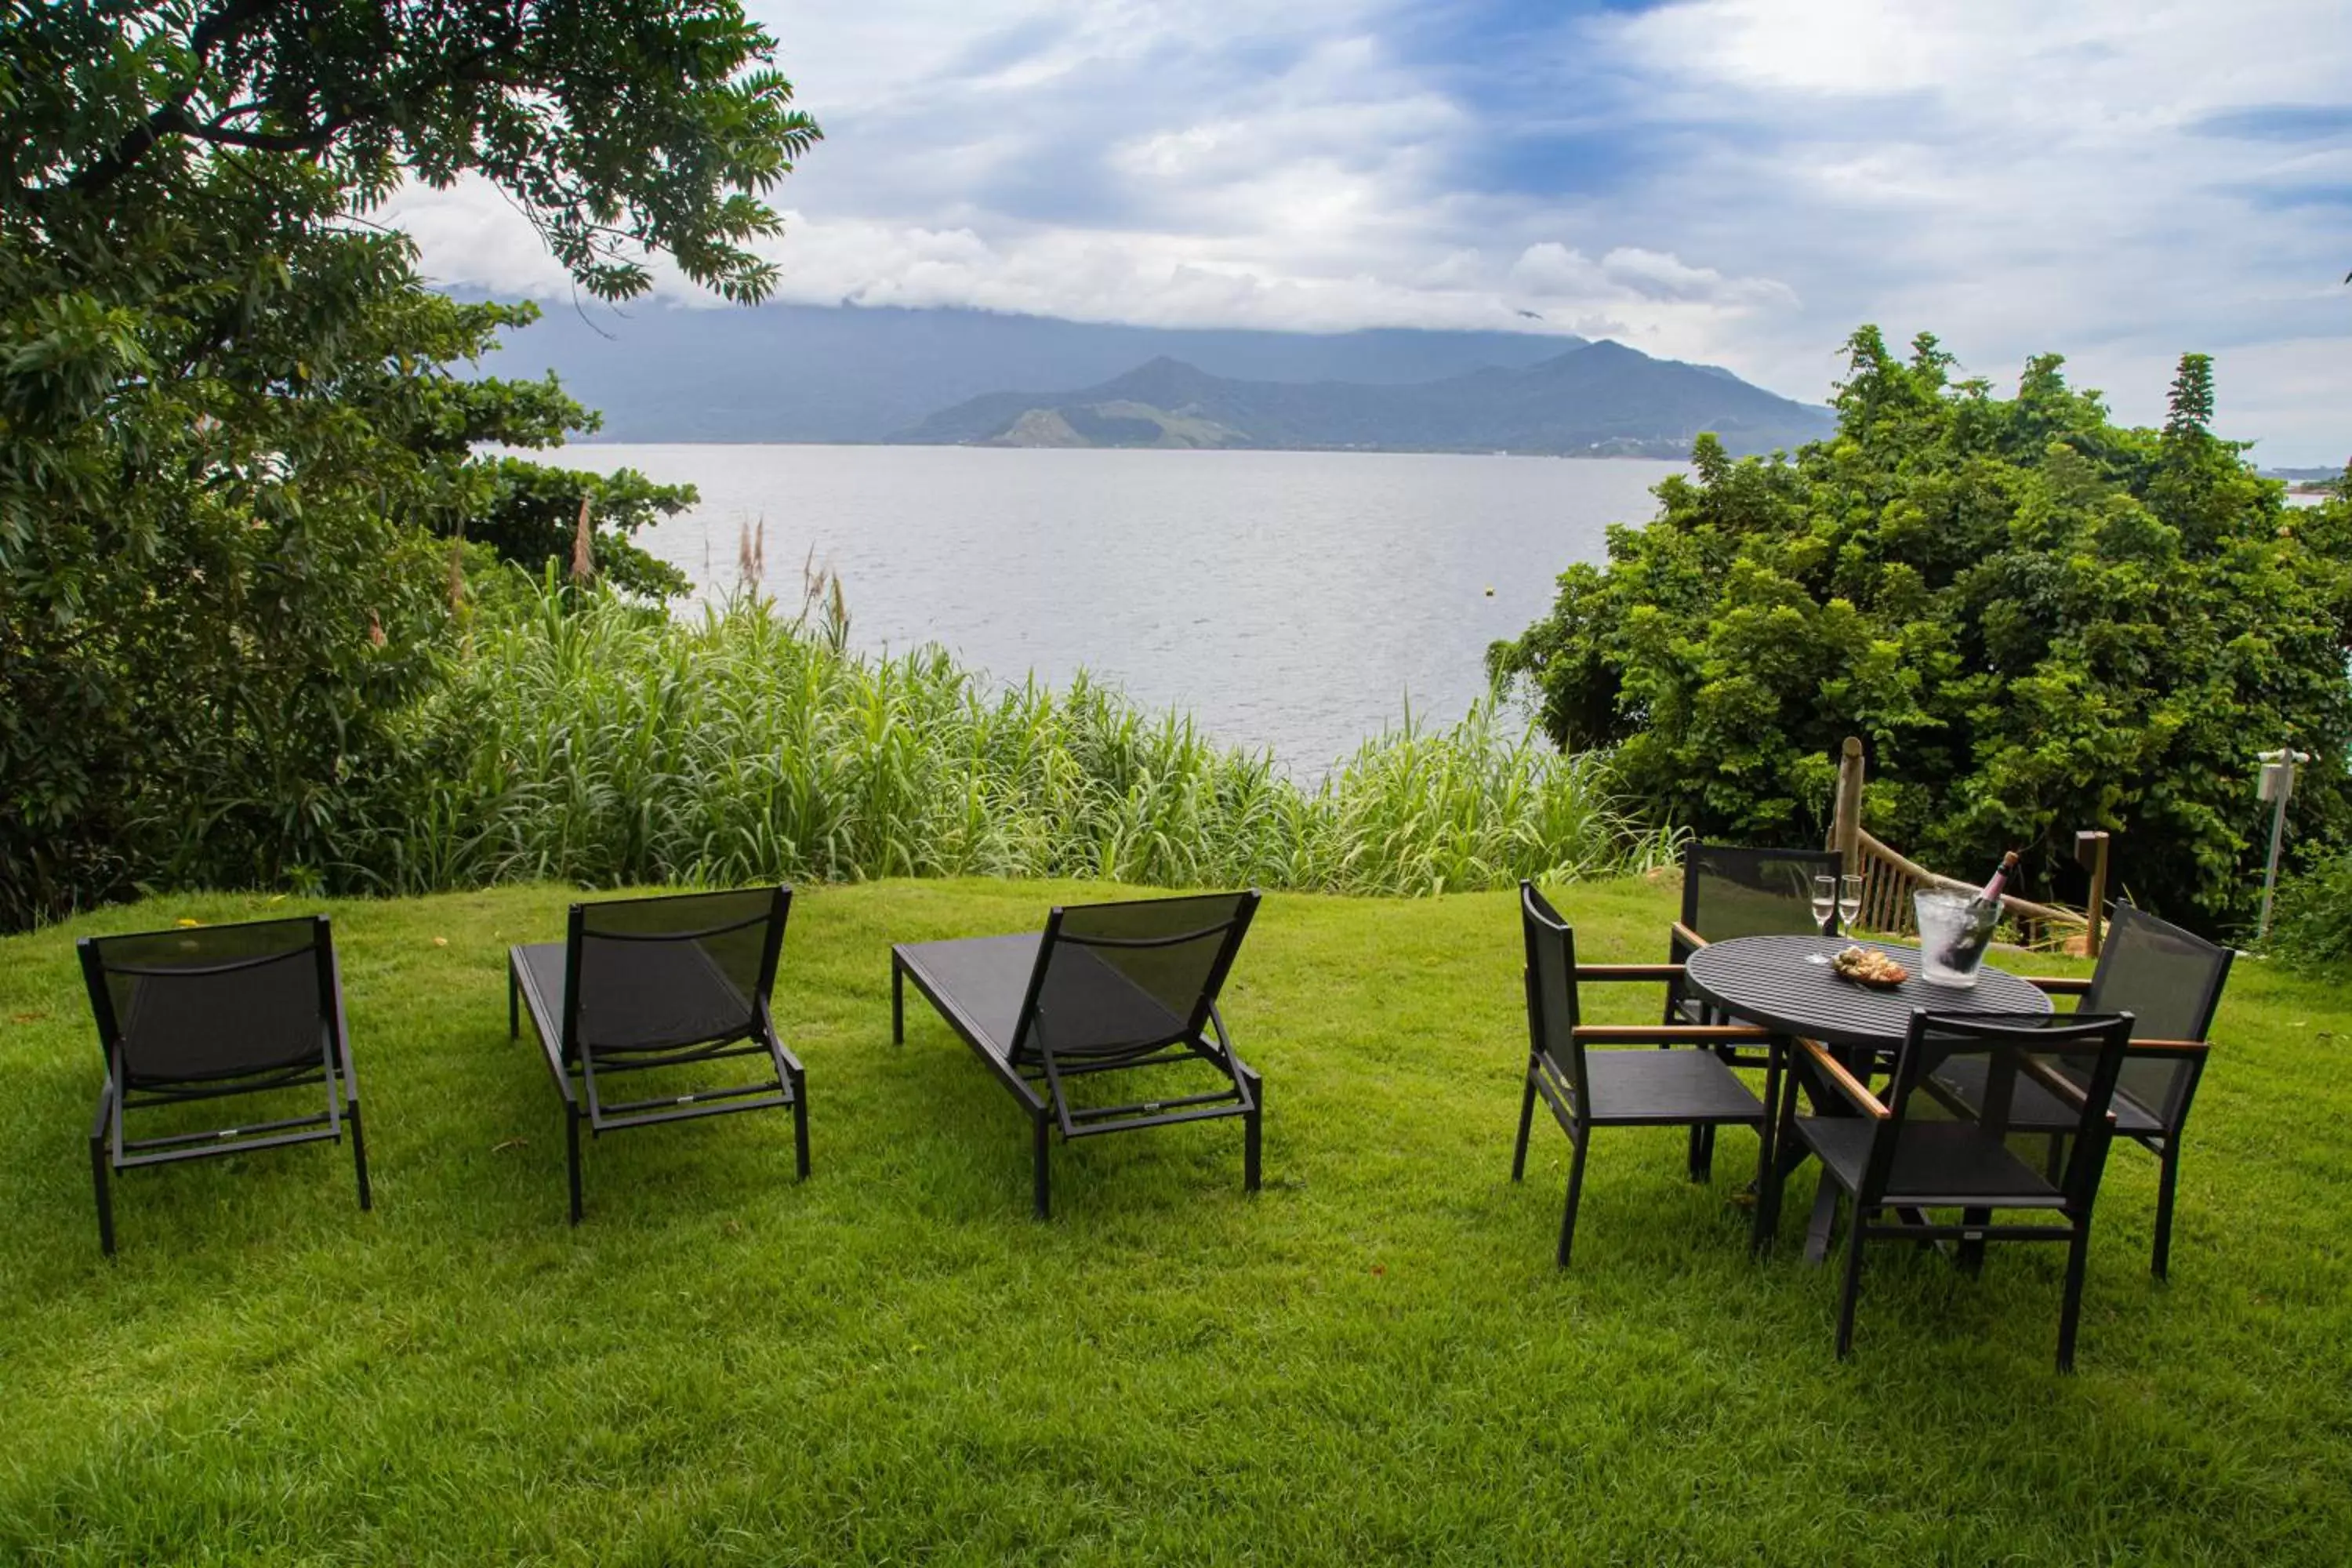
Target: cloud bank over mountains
[(1738, 181)]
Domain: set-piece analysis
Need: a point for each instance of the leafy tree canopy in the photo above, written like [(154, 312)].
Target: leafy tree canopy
[(2037, 621), (229, 428)]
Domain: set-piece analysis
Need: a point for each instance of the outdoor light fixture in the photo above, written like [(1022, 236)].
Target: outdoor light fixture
[(2277, 783)]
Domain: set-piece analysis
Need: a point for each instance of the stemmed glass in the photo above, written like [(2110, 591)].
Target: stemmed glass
[(1825, 892), (1849, 903)]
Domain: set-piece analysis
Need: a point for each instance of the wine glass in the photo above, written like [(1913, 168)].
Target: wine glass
[(1825, 891), (1848, 899)]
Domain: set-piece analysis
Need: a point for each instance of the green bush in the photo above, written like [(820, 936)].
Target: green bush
[(2311, 923), (2037, 622)]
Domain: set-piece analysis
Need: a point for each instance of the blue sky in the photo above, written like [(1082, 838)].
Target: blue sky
[(1735, 181)]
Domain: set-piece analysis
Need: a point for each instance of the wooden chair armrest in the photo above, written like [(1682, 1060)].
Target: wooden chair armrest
[(1629, 971), (1670, 1034), (2057, 1083), (2059, 984), (2172, 1048), (1845, 1081), (1688, 937)]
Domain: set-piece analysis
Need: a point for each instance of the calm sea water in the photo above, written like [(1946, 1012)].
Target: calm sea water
[(1291, 600)]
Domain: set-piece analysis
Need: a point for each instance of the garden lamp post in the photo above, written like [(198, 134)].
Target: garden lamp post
[(2277, 783)]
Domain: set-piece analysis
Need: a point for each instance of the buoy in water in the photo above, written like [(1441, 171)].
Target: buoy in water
[(1490, 592)]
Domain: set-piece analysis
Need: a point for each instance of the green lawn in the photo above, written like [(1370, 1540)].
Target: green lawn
[(1372, 1358)]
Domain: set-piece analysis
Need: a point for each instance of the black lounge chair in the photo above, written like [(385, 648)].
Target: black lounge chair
[(641, 984), (208, 1012), (1105, 988), (1585, 1089), (2170, 981), (1932, 1145)]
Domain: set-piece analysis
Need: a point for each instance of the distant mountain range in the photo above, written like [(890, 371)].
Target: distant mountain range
[(1600, 399), (803, 372)]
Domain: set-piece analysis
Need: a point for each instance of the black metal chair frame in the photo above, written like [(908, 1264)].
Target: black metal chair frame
[(1881, 1210), (110, 1151), (1567, 1088), (1029, 1062), (2150, 1128), (556, 1022)]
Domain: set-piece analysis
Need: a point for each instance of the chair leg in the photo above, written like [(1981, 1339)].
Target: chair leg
[(2070, 1314), (1254, 1135), (359, 1156), (514, 1003), (572, 1156), (1042, 1177), (100, 1178), (1526, 1120), (799, 1085), (2167, 1178), (897, 1002), (1575, 1191), (1702, 1153), (1853, 1284), (1971, 1250)]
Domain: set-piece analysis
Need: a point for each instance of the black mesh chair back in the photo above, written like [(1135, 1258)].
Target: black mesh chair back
[(2170, 980), (1552, 1011), (209, 1013), (1977, 1148), (210, 1004), (1127, 979), (664, 975), (1731, 892), (1967, 1123)]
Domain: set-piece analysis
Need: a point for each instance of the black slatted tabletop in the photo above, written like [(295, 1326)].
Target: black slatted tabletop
[(1766, 981)]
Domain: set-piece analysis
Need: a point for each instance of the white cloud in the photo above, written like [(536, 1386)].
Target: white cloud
[(1735, 181)]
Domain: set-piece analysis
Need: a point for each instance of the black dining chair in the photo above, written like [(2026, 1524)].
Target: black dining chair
[(1930, 1147), (1588, 1088), (2170, 981), (215, 1013), (1729, 890)]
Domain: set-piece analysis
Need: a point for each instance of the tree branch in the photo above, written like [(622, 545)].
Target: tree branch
[(171, 117)]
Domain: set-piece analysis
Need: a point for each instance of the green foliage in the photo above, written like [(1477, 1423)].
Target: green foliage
[(228, 436), (601, 743), (2311, 923), (2037, 621)]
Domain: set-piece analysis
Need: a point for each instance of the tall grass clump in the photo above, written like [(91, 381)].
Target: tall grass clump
[(589, 740)]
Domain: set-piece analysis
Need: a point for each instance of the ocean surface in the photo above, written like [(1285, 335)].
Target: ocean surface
[(1296, 601)]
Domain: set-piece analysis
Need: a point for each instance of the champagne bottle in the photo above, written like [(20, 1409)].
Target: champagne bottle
[(1991, 894)]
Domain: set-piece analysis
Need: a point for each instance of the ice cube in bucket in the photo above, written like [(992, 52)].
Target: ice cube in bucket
[(1954, 932)]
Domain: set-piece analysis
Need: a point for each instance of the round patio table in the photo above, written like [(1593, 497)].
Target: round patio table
[(1769, 982)]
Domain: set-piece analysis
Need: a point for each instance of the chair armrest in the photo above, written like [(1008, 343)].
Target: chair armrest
[(776, 1038), (2059, 984), (342, 1029), (2057, 1083), (1843, 1082), (1688, 936), (1629, 971), (105, 1106), (1669, 1034), (2171, 1047)]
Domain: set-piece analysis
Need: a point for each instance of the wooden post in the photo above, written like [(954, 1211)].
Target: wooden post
[(2091, 854), (1845, 816)]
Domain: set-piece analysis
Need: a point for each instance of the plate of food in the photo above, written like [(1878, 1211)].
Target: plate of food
[(1868, 966)]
